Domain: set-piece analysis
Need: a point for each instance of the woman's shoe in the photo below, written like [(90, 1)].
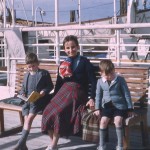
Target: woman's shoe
[(50, 148)]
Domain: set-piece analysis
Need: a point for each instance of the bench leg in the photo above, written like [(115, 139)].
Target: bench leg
[(13, 130), (21, 118), (126, 138), (144, 131), (1, 121)]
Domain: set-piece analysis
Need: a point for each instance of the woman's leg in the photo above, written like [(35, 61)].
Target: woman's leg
[(119, 131), (50, 133), (55, 140), (54, 137)]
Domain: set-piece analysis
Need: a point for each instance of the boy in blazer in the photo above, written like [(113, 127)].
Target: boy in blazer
[(38, 80), (113, 100)]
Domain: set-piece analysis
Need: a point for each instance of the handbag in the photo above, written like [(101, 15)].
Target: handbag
[(14, 101), (90, 122)]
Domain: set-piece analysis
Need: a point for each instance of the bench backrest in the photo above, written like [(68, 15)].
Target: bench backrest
[(21, 69), (137, 79)]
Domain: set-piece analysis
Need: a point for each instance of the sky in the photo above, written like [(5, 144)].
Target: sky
[(90, 9)]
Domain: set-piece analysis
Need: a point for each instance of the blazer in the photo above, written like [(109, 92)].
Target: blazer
[(43, 82), (117, 92)]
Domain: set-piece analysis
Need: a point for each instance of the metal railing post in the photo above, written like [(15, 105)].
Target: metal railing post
[(118, 46), (4, 8), (80, 31), (13, 14), (57, 34)]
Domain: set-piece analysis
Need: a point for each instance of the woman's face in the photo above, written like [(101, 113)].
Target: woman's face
[(71, 48)]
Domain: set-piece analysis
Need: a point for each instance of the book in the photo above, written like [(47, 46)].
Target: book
[(32, 97)]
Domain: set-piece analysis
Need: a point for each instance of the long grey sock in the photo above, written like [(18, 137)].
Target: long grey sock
[(102, 137), (119, 132), (23, 138)]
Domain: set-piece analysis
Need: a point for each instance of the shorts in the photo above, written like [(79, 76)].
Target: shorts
[(36, 107), (29, 108), (111, 111)]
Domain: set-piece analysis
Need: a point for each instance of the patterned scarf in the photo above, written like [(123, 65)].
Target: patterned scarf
[(65, 69)]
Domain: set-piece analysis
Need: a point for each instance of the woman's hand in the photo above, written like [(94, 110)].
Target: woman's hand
[(91, 104)]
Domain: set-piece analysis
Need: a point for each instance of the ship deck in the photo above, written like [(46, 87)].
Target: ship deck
[(39, 141)]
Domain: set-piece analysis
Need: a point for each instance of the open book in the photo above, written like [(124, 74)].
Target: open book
[(32, 97)]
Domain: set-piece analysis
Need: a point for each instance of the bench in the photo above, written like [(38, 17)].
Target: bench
[(136, 78), (20, 70)]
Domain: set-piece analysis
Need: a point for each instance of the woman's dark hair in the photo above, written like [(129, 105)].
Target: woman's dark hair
[(106, 66), (31, 58), (70, 38)]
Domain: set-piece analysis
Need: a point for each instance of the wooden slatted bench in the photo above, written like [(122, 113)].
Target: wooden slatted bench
[(137, 79), (20, 70)]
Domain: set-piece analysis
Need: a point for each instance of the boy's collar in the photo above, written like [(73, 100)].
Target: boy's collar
[(104, 79)]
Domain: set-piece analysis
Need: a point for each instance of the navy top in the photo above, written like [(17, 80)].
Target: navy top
[(31, 84), (83, 73)]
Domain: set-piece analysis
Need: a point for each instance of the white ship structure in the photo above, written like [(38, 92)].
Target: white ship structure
[(124, 38)]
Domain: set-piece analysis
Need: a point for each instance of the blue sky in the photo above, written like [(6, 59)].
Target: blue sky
[(90, 9)]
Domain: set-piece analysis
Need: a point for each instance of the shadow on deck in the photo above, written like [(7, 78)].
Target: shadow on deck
[(39, 141)]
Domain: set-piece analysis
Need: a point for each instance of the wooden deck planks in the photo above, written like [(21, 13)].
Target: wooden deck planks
[(39, 141)]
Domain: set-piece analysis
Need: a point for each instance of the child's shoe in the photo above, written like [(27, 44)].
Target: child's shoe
[(119, 148), (101, 147), (17, 147)]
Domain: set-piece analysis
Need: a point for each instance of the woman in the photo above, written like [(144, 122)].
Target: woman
[(62, 116)]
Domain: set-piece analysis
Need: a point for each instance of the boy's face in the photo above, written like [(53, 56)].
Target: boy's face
[(32, 67), (71, 48), (109, 76)]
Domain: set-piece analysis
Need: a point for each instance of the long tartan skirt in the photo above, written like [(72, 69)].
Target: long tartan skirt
[(63, 113)]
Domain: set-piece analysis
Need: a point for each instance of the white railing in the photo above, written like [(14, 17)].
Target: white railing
[(117, 36), (95, 40)]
